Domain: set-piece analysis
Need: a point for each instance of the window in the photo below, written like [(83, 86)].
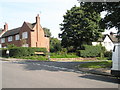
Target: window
[(9, 38), (3, 40), (24, 35), (17, 37)]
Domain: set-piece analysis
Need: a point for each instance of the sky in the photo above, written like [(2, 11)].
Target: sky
[(15, 12)]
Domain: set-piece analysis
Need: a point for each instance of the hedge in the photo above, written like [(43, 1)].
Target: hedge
[(22, 51), (108, 54), (91, 51)]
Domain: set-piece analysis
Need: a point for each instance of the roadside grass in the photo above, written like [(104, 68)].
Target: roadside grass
[(54, 55), (100, 64), (40, 58)]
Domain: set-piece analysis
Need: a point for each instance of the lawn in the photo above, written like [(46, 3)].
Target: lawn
[(100, 64)]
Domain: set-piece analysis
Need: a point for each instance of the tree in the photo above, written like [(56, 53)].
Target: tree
[(55, 45), (112, 18), (80, 26), (47, 32)]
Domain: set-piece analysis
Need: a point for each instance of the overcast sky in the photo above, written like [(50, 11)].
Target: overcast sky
[(15, 12)]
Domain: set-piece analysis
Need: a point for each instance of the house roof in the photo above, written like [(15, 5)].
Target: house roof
[(17, 30), (112, 38), (11, 32), (30, 25)]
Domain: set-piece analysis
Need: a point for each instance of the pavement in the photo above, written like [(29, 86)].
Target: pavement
[(70, 65), (44, 74)]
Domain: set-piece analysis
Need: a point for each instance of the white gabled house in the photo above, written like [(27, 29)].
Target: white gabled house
[(108, 41)]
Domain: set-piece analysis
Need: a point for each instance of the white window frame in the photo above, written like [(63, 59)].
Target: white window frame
[(24, 35), (17, 37), (10, 38), (3, 40)]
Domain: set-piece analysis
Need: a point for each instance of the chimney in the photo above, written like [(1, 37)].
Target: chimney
[(38, 19), (5, 27)]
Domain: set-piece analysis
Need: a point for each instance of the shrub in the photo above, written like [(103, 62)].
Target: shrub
[(23, 51), (108, 54), (3, 52), (91, 51)]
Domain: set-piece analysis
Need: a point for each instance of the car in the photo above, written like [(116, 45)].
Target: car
[(115, 70)]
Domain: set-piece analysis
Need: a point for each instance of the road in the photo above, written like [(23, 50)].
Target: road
[(51, 75)]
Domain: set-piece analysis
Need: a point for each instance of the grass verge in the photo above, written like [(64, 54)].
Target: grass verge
[(100, 64), (41, 58)]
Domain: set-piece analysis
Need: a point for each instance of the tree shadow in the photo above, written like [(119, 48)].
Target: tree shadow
[(65, 66), (49, 65), (101, 78)]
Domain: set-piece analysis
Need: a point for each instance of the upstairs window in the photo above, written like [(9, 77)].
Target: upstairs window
[(17, 37), (3, 40), (9, 38), (24, 35)]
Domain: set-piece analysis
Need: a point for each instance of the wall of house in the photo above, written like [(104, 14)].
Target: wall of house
[(36, 36), (107, 43)]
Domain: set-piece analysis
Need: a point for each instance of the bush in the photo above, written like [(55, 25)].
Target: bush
[(22, 51), (108, 54), (3, 52), (91, 51)]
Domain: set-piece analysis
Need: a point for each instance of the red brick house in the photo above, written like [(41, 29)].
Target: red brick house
[(28, 35)]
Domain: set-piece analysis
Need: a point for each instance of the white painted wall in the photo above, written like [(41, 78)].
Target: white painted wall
[(107, 43)]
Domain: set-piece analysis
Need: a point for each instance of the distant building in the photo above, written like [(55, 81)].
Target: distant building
[(28, 35), (108, 41)]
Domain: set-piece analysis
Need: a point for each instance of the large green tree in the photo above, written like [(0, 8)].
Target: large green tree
[(112, 18), (80, 26)]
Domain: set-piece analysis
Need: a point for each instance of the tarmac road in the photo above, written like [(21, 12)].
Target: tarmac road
[(51, 75)]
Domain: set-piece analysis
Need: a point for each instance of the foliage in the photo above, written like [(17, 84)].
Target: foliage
[(91, 51), (80, 26), (47, 32), (59, 55), (112, 18), (55, 45), (101, 64), (41, 58), (22, 51), (3, 52), (108, 54), (11, 46)]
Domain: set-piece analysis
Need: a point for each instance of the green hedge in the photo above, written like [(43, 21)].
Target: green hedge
[(22, 51), (108, 54), (3, 52), (91, 51)]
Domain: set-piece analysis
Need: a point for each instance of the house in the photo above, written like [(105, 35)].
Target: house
[(28, 35), (108, 41)]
